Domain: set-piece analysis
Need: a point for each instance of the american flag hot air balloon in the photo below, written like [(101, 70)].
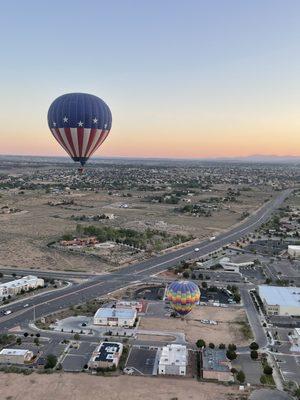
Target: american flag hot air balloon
[(80, 122)]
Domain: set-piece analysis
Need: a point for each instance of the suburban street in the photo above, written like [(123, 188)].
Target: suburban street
[(100, 285)]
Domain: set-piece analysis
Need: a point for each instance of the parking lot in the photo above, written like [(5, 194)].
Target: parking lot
[(290, 366), (76, 359), (142, 360), (252, 369)]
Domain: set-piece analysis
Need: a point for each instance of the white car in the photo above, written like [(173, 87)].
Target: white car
[(7, 312), (26, 305), (196, 249), (212, 238)]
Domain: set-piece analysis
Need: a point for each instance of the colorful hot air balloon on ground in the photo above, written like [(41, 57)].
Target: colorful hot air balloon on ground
[(183, 295), (80, 123)]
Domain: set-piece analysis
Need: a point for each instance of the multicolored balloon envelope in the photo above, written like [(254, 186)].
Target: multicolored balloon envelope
[(80, 123), (183, 295)]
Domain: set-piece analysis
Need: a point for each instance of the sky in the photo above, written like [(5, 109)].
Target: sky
[(183, 79)]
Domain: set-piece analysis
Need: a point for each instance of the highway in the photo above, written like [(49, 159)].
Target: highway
[(101, 285)]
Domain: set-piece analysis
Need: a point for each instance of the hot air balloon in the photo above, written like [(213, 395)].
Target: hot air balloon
[(183, 295), (80, 122)]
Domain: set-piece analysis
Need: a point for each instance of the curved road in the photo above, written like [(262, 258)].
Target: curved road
[(103, 284)]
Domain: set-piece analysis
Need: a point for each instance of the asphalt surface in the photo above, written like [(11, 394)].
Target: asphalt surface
[(141, 272)]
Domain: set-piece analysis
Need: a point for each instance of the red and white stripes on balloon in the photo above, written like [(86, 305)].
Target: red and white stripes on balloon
[(80, 142)]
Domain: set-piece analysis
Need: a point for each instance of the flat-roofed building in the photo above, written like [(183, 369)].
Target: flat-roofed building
[(106, 355), (18, 285), (294, 251), (173, 360), (138, 305), (283, 301), (216, 366), (115, 316), (295, 340), (15, 356)]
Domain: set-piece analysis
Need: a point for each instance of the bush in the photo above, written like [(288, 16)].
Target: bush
[(211, 346), (241, 377), (268, 370), (51, 361), (263, 379), (200, 343), (231, 355), (254, 346), (232, 347), (222, 346)]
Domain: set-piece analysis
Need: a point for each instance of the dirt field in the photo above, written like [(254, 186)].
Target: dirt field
[(25, 235), (87, 387), (227, 331)]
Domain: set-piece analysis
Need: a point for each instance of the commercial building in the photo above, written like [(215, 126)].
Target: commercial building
[(173, 360), (115, 317), (15, 356), (106, 355), (17, 286), (138, 305), (294, 251), (283, 301), (216, 366)]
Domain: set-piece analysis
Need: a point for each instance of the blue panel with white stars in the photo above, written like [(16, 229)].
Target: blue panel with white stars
[(79, 110)]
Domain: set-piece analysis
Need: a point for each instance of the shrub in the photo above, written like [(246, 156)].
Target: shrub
[(268, 370), (241, 377)]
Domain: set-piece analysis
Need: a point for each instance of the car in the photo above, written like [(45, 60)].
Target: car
[(7, 312), (83, 324), (26, 305), (212, 238), (196, 249)]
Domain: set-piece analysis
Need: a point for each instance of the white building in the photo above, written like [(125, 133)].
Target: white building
[(115, 317), (294, 251), (17, 286), (283, 301), (295, 340), (173, 360), (15, 356)]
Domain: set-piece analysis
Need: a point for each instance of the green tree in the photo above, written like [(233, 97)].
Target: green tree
[(36, 341), (254, 354), (19, 341), (204, 285), (232, 347), (186, 274), (211, 345), (254, 346), (241, 376), (51, 361), (222, 346), (268, 370), (200, 343), (76, 336), (231, 355)]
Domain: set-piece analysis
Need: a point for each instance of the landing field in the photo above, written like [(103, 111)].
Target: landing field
[(81, 386), (228, 329)]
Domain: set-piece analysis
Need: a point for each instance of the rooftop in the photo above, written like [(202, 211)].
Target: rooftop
[(107, 351), (215, 360), (283, 296), (20, 282), (173, 354), (13, 352), (116, 313)]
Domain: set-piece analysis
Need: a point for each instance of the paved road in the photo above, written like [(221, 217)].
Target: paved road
[(140, 272)]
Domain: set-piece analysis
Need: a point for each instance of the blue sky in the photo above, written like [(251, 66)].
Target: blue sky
[(190, 78)]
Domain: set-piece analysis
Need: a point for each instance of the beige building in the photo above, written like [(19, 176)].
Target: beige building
[(15, 356), (18, 285), (283, 301), (124, 317)]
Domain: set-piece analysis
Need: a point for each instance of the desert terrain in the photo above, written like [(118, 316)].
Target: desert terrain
[(87, 387), (226, 331), (26, 234)]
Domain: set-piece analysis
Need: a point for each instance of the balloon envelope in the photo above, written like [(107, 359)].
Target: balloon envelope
[(80, 122), (183, 295)]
